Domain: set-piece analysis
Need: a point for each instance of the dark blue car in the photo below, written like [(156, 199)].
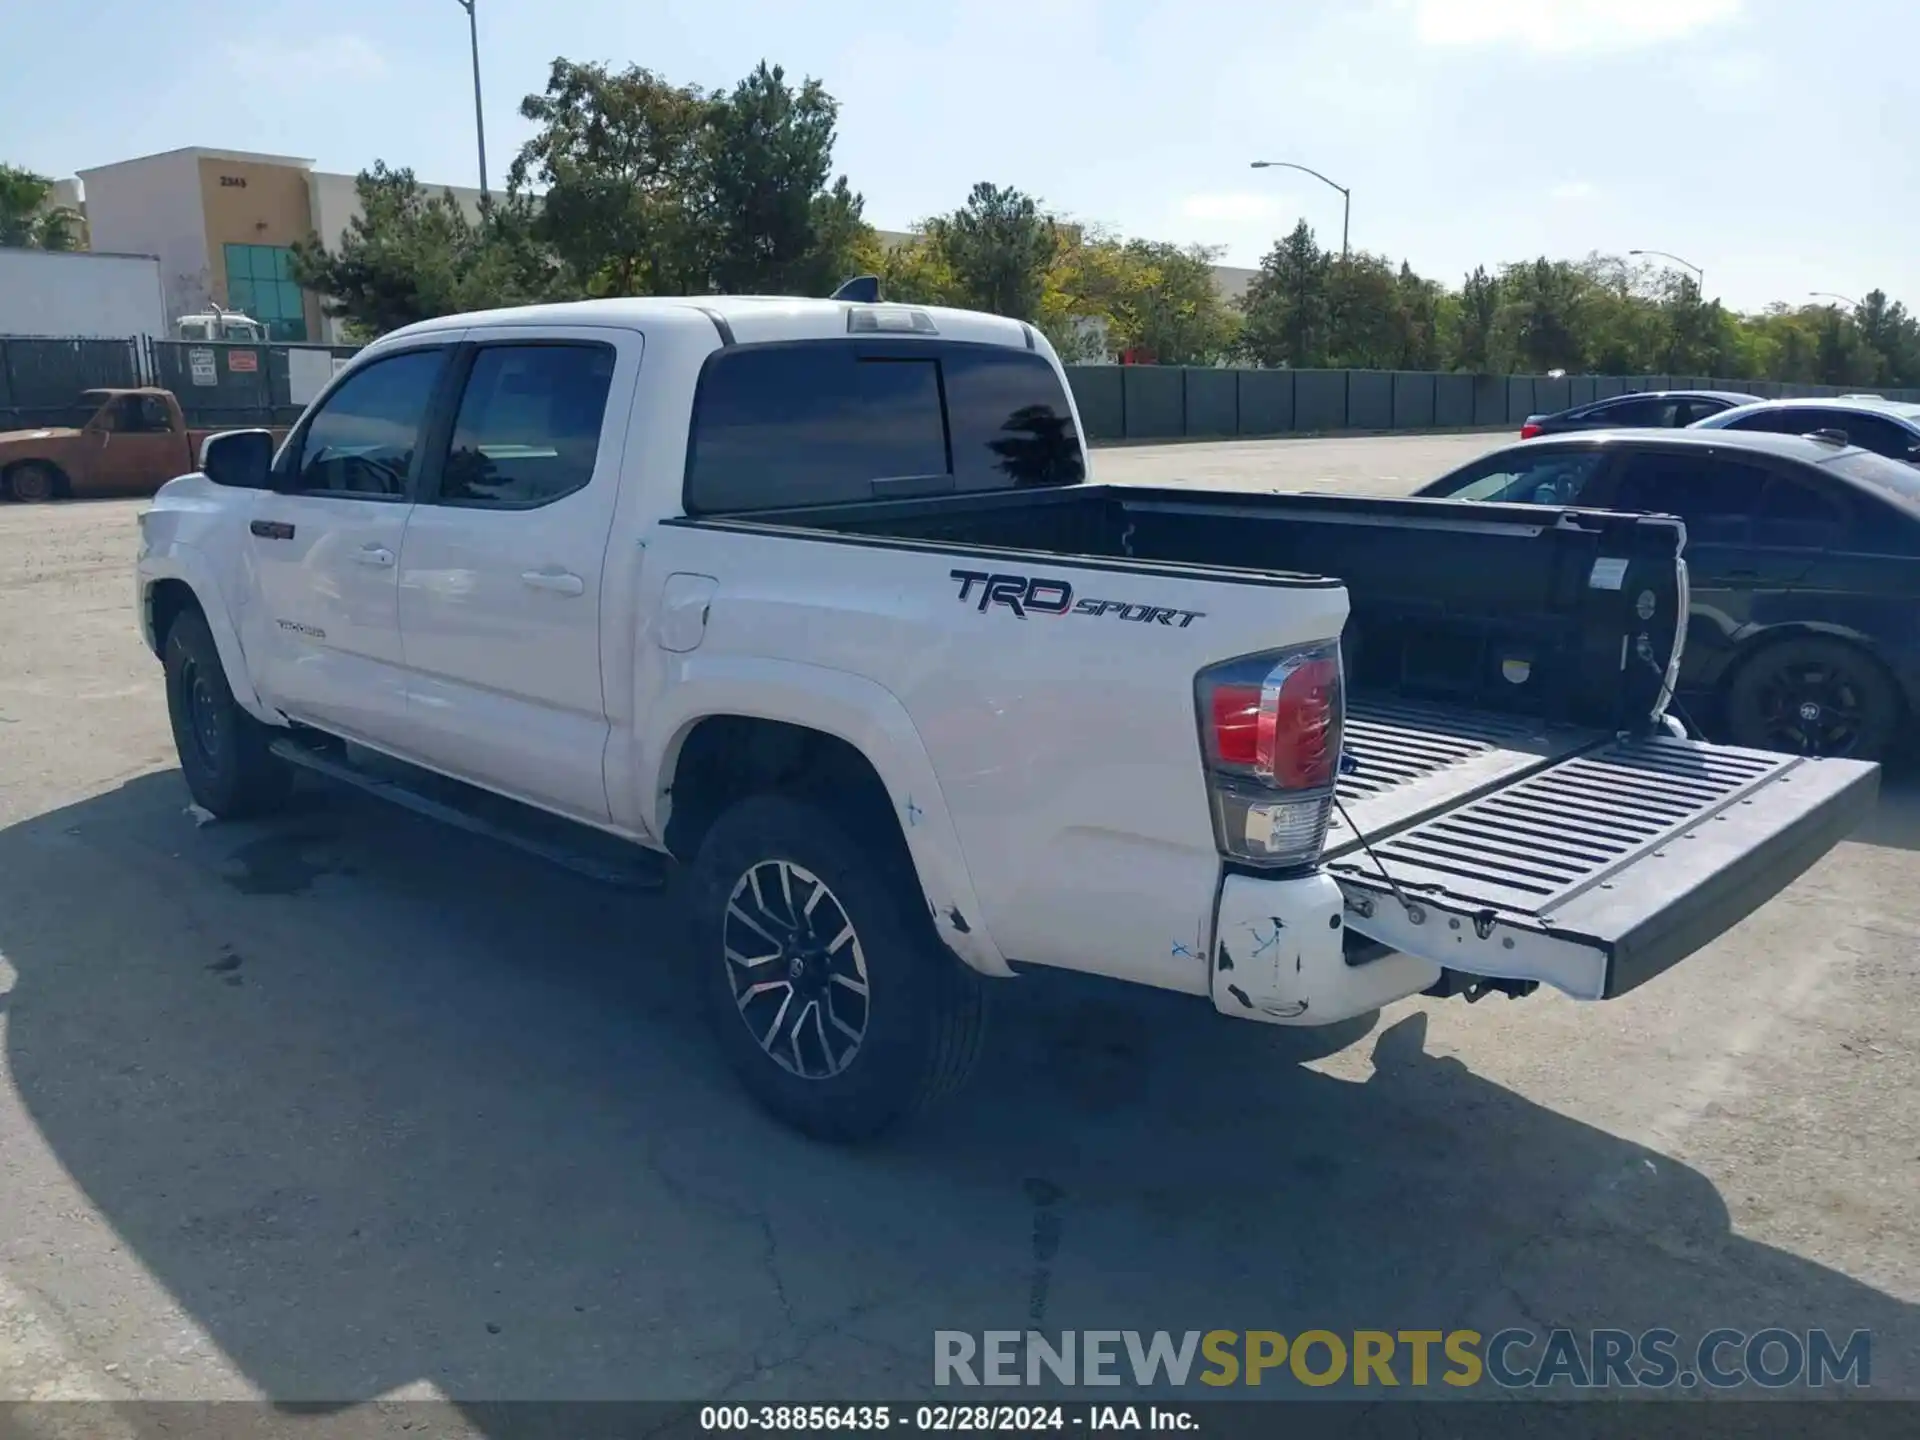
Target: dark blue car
[(1644, 410), (1803, 557)]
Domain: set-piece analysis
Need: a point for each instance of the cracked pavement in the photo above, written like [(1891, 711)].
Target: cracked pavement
[(346, 1106)]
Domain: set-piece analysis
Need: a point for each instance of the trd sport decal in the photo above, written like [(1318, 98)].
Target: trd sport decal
[(1024, 593)]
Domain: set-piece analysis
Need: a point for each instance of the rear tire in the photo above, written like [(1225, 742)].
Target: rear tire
[(223, 751), (826, 988), (1813, 697), (32, 483)]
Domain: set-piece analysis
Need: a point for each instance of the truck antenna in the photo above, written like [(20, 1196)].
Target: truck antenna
[(861, 290)]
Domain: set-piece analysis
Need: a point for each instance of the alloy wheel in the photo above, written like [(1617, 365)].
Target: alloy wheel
[(796, 968)]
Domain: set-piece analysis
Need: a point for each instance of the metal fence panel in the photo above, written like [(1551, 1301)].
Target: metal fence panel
[(1320, 399), (217, 385), (1520, 398), (1605, 387), (1413, 399), (1213, 402), (1453, 401), (1155, 402), (1489, 399), (1369, 400), (1552, 394), (41, 380), (1098, 395), (1266, 401), (1585, 392)]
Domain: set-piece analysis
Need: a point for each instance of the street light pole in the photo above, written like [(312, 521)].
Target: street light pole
[(1830, 295), (1699, 275), (1346, 195), (479, 119)]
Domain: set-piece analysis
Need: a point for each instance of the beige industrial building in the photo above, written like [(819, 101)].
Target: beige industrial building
[(223, 224)]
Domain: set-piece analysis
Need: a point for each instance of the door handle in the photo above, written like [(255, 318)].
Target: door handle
[(271, 529), (558, 582), (373, 555)]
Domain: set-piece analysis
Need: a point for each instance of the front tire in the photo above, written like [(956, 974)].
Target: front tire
[(1813, 697), (826, 988), (223, 750), (33, 483)]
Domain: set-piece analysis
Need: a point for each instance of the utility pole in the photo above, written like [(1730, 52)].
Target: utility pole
[(479, 118)]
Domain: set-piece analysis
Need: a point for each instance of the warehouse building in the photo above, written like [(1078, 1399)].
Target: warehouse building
[(224, 223)]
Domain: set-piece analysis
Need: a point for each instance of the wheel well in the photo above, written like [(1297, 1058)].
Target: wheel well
[(62, 486), (166, 601), (1758, 648), (726, 758)]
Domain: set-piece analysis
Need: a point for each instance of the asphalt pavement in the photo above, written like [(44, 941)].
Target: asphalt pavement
[(346, 1106)]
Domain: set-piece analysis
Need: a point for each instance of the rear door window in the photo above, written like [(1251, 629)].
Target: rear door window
[(1801, 512), (1717, 497), (1642, 412), (822, 422), (528, 428)]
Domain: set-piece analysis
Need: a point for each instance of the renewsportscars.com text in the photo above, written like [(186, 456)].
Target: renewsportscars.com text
[(1512, 1359)]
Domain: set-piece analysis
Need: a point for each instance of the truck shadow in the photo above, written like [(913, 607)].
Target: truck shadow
[(379, 1104)]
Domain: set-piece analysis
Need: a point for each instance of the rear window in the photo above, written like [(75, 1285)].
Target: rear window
[(1889, 477), (820, 422)]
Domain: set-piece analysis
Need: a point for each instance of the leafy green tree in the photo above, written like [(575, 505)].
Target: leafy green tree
[(410, 255), (618, 163), (28, 217), (1000, 247), (777, 226), (1286, 304), (1479, 311), (1540, 322)]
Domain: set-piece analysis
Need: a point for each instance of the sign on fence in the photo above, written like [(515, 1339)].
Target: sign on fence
[(243, 362), (200, 365), (308, 372)]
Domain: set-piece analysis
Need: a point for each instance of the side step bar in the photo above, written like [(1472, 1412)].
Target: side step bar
[(606, 859)]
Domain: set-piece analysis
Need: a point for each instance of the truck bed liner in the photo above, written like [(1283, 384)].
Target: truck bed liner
[(1409, 759)]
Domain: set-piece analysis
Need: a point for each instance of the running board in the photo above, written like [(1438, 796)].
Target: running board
[(597, 856)]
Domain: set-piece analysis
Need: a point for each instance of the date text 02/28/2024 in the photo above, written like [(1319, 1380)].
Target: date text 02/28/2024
[(942, 1419)]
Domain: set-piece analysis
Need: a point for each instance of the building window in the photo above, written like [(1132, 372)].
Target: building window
[(260, 284)]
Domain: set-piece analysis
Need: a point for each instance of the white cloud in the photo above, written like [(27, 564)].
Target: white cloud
[(1573, 190), (1560, 26), (329, 59), (1234, 205)]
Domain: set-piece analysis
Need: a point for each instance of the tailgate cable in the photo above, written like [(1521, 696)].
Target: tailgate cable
[(1415, 912)]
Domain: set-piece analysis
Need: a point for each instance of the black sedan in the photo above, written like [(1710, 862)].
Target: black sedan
[(1803, 556), (1644, 410)]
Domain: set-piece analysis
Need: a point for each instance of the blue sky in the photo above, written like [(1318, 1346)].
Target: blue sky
[(1772, 142)]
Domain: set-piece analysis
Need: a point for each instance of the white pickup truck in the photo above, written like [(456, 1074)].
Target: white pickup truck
[(815, 599)]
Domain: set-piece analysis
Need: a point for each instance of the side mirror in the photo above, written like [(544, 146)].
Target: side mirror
[(242, 459)]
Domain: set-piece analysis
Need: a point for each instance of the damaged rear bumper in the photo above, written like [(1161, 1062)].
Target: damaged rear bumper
[(1279, 956)]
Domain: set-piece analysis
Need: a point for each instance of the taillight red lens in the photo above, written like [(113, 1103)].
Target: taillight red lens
[(1236, 723), (1529, 430), (1300, 744)]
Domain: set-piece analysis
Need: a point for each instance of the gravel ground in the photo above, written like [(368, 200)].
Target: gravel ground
[(346, 1106)]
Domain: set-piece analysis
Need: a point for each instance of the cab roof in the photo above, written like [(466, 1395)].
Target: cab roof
[(743, 319)]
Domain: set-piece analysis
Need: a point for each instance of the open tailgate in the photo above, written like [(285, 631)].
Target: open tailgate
[(1596, 869)]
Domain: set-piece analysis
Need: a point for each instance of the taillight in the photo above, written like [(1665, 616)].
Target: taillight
[(1270, 729), (1529, 430)]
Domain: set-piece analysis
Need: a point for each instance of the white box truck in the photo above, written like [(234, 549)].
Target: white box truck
[(80, 293)]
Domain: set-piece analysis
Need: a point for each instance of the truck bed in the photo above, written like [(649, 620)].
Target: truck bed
[(1470, 611)]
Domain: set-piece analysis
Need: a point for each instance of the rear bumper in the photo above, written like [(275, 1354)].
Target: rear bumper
[(1279, 956)]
